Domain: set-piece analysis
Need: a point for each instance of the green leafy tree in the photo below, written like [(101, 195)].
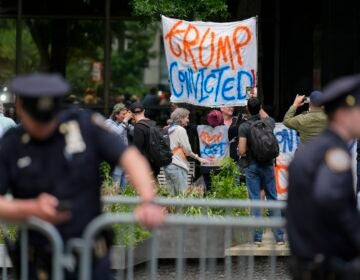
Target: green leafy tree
[(128, 60), (30, 55), (131, 41), (199, 9)]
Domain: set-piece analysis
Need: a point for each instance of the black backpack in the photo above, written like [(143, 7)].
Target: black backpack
[(263, 143), (158, 149)]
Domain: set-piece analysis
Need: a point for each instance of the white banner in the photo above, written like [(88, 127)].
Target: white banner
[(210, 64), (288, 143), (214, 143)]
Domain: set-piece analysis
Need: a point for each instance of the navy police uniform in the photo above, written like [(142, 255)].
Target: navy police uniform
[(65, 165), (322, 219)]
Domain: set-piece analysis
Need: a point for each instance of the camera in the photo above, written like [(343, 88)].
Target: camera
[(306, 99), (251, 92)]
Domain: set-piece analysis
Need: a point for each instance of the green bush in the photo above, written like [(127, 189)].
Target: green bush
[(125, 234), (12, 233), (224, 186)]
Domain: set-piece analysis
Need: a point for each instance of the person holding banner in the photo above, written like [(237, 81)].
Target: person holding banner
[(176, 172), (214, 144), (323, 221)]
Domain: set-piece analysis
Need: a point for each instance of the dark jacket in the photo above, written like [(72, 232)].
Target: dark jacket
[(233, 135), (322, 216), (308, 125), (141, 140)]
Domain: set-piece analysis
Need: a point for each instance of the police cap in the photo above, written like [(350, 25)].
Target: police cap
[(343, 92), (39, 84), (40, 93)]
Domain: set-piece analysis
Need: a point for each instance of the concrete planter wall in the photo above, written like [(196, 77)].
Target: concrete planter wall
[(120, 254), (168, 245), (192, 242)]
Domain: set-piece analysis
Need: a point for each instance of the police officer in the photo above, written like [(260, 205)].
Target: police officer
[(50, 164), (322, 218)]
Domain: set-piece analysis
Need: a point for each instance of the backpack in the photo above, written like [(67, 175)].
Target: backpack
[(158, 149), (263, 143)]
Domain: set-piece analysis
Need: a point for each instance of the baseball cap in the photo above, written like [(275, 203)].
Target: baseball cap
[(136, 107), (118, 107), (315, 95)]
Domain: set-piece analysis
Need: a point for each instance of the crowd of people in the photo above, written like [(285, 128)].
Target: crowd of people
[(257, 172), (132, 122), (53, 157)]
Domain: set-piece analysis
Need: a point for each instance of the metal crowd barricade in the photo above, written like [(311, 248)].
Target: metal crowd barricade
[(224, 226), (55, 240), (177, 228)]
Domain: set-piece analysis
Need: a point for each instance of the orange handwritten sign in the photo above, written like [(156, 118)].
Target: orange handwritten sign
[(213, 143), (206, 138), (281, 185), (210, 64), (193, 40)]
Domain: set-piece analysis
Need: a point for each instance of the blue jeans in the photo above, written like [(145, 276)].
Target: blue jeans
[(176, 179), (119, 177), (259, 176)]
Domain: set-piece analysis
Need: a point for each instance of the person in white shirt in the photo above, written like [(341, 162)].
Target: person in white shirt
[(176, 172)]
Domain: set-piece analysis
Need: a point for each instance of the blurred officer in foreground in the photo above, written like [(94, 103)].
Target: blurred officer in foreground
[(50, 164), (322, 218)]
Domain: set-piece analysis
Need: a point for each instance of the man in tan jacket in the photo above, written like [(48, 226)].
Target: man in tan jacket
[(309, 124)]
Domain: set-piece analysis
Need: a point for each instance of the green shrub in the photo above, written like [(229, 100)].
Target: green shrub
[(224, 186), (12, 233)]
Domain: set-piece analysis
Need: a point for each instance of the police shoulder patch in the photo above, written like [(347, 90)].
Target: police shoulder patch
[(338, 160)]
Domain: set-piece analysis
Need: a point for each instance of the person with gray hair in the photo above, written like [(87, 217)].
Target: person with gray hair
[(5, 122), (176, 172)]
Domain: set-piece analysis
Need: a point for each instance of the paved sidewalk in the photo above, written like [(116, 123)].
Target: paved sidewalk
[(267, 248)]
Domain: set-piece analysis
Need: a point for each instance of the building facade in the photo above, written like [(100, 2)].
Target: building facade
[(302, 45)]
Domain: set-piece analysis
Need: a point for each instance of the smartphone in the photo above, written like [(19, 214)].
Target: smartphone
[(64, 205), (248, 92)]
